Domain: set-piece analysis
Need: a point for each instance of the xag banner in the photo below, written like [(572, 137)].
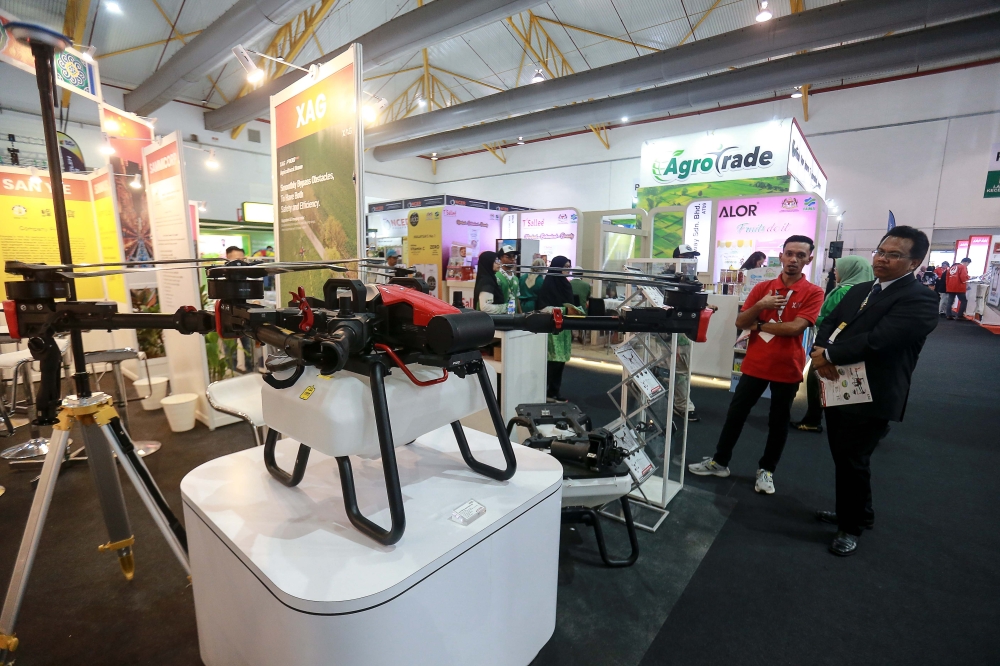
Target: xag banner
[(316, 139)]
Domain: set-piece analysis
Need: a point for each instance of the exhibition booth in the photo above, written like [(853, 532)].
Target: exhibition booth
[(388, 501)]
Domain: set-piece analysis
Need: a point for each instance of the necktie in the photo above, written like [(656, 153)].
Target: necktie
[(876, 288)]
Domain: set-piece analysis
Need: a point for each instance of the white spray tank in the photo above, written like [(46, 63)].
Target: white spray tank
[(334, 414)]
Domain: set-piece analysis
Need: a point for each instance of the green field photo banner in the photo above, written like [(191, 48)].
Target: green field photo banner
[(316, 139), (668, 227)]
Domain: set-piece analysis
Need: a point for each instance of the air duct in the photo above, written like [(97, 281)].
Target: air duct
[(246, 21), (425, 26), (971, 38), (833, 24)]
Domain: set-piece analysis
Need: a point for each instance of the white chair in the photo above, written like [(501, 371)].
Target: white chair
[(240, 397)]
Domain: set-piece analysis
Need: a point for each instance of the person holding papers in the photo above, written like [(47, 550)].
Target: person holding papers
[(776, 313), (876, 331)]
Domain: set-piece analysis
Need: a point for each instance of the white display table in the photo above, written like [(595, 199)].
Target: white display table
[(280, 575)]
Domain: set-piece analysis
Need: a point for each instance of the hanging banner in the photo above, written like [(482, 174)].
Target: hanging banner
[(128, 136), (72, 72), (169, 217), (28, 232), (698, 230), (316, 141)]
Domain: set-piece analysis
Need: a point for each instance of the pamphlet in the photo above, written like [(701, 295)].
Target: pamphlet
[(654, 297), (630, 360), (850, 389)]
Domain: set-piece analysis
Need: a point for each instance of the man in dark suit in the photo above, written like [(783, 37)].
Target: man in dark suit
[(884, 324)]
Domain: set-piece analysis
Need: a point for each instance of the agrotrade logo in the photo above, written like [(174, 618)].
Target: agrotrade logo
[(722, 161)]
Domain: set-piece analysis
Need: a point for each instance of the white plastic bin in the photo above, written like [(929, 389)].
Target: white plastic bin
[(180, 409), (158, 393)]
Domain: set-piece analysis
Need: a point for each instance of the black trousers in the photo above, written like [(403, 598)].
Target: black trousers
[(554, 373), (852, 441), (814, 412), (748, 392), (963, 302)]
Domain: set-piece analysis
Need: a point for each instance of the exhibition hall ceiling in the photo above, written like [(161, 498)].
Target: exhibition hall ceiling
[(569, 35)]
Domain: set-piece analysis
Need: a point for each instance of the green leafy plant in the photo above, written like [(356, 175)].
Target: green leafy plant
[(218, 355)]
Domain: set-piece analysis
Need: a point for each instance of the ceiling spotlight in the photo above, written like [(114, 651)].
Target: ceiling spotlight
[(88, 53), (112, 125), (421, 102), (202, 207), (136, 183), (538, 77), (35, 179), (765, 13), (254, 73), (368, 113), (211, 162), (113, 7), (624, 119), (797, 94), (520, 140), (106, 147)]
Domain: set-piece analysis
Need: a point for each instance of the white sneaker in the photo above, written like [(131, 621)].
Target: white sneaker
[(765, 482), (708, 467)]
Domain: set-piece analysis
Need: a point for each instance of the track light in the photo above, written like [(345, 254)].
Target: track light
[(624, 119), (211, 162), (254, 73), (35, 179), (88, 53), (202, 207), (368, 113), (112, 125), (106, 147), (136, 183), (538, 77), (421, 102), (520, 140), (798, 92), (765, 13)]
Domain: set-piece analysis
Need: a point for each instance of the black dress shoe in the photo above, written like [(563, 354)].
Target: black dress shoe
[(831, 518), (844, 544)]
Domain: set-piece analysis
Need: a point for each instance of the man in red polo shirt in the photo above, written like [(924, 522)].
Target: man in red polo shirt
[(776, 313)]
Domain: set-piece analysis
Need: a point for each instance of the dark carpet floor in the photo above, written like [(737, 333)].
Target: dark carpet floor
[(731, 576)]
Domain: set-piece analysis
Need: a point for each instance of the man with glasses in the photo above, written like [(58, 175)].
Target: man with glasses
[(776, 313), (883, 324)]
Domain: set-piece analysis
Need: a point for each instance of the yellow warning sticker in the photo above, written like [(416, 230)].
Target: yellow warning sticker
[(308, 392)]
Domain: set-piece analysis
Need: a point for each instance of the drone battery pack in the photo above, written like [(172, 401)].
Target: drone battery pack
[(335, 414)]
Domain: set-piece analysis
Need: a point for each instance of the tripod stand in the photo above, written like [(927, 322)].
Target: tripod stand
[(102, 429)]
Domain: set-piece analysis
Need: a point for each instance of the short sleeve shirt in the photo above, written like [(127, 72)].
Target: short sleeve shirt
[(509, 285), (782, 359)]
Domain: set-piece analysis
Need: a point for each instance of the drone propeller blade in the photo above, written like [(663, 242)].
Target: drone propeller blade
[(616, 276), (120, 271)]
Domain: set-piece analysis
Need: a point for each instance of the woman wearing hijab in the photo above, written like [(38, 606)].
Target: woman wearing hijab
[(755, 260), (850, 270), (557, 293), (531, 284), (487, 296)]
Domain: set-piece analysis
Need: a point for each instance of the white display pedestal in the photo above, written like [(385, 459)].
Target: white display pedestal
[(280, 575)]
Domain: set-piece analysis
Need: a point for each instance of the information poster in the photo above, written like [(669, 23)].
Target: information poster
[(129, 135), (107, 234), (424, 245), (993, 174), (465, 232), (28, 232), (698, 230), (168, 214), (316, 139)]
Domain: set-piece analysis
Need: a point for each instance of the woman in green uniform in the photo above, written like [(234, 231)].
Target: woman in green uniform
[(531, 284), (557, 293), (850, 270)]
